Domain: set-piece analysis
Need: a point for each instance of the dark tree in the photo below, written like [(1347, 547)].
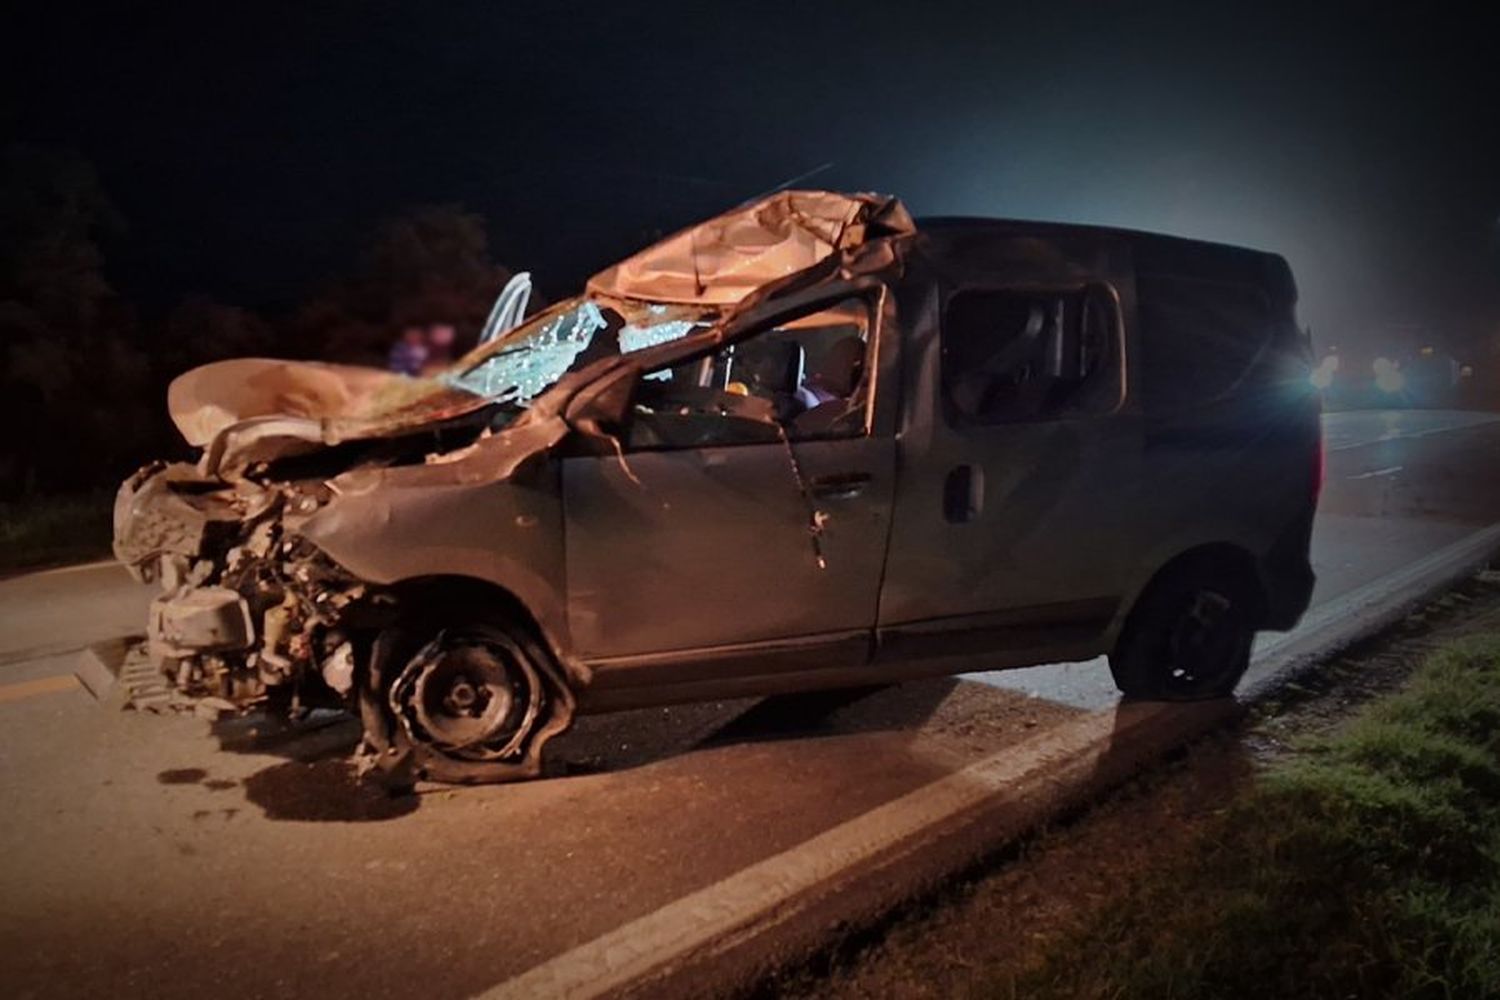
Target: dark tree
[(73, 373), (428, 265), (200, 330)]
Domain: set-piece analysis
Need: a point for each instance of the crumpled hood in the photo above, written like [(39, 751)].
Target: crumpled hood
[(209, 398), (719, 262)]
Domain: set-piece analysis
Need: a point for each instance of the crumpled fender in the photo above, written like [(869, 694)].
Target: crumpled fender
[(484, 512)]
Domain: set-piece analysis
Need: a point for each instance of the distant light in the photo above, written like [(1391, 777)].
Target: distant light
[(1467, 371), (1322, 376), (1389, 379), (1426, 352)]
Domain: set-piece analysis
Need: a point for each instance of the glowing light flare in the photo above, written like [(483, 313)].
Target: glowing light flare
[(1388, 375), (1322, 376)]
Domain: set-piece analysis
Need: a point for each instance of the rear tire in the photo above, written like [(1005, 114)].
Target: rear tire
[(1188, 637)]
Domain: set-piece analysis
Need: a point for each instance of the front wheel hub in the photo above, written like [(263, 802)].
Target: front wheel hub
[(470, 695)]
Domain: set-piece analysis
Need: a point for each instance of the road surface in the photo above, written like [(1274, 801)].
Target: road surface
[(167, 856)]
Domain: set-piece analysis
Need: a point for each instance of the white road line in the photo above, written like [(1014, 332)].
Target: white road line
[(75, 568), (1379, 472), (1371, 595), (1479, 420)]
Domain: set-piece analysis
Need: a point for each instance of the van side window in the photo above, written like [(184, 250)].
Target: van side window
[(806, 375), (1200, 339), (1015, 355)]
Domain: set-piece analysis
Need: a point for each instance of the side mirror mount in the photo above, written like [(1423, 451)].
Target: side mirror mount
[(603, 407)]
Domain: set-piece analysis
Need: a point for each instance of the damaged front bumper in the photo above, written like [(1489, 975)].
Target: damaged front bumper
[(250, 614)]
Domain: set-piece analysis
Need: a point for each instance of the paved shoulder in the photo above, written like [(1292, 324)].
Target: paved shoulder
[(63, 609)]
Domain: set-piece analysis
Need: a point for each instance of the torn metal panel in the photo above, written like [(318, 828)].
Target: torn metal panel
[(721, 261), (173, 510)]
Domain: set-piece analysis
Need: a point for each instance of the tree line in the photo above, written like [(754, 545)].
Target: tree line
[(83, 371)]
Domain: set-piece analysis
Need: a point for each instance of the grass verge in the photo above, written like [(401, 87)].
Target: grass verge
[(53, 531), (1365, 864)]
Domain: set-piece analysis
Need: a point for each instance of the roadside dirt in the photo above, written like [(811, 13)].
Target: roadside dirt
[(978, 933)]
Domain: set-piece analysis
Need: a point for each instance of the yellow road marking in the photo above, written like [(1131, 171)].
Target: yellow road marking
[(42, 685)]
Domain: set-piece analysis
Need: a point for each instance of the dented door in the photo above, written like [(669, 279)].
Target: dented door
[(699, 548)]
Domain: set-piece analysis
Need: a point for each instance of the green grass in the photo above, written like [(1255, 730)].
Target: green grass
[(1366, 865), (53, 531)]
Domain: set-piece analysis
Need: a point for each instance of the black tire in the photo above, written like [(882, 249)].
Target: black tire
[(1188, 637)]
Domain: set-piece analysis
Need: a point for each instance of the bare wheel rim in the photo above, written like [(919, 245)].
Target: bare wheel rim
[(471, 694)]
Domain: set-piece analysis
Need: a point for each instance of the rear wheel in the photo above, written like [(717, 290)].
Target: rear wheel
[(1189, 635)]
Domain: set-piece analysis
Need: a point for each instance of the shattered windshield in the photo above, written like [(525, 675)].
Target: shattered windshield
[(532, 358)]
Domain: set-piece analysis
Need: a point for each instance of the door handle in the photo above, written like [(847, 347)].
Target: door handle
[(839, 486), (963, 494)]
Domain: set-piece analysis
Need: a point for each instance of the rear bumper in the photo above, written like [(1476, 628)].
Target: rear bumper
[(1287, 576)]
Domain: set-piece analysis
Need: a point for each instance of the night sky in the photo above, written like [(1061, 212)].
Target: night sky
[(251, 149)]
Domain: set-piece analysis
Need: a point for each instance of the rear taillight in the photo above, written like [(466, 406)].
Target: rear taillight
[(1320, 467)]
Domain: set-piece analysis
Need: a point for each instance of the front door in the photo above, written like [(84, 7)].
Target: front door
[(751, 505)]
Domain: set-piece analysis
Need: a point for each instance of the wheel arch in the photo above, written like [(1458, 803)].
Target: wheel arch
[(450, 596), (1222, 556)]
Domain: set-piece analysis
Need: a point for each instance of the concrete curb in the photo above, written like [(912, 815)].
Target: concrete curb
[(783, 909)]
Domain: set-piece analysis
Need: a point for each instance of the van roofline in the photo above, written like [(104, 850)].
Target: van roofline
[(1154, 253), (981, 223)]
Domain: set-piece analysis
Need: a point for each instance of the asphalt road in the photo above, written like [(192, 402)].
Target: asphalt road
[(166, 856)]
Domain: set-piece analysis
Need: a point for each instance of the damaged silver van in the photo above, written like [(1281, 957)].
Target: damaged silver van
[(810, 443)]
